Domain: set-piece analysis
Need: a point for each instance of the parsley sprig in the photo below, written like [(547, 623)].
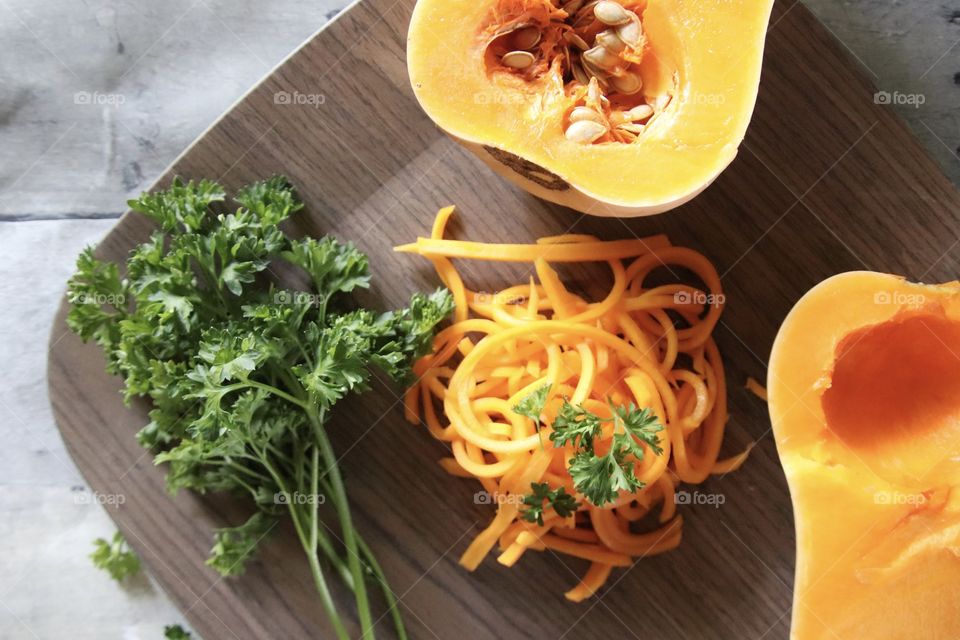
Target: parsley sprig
[(542, 497), (242, 372), (115, 557), (176, 632), (531, 405), (600, 478)]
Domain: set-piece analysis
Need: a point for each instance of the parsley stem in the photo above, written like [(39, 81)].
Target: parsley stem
[(277, 392), (342, 507), (325, 597), (388, 594), (310, 544), (312, 551)]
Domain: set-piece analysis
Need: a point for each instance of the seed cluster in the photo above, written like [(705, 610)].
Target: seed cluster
[(600, 45)]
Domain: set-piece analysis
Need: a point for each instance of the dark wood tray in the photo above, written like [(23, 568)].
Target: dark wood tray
[(827, 181)]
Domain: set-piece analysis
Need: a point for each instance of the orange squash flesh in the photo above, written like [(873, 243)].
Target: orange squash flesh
[(703, 56), (864, 391)]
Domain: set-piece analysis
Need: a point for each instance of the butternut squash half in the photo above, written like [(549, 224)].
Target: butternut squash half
[(864, 392), (613, 108)]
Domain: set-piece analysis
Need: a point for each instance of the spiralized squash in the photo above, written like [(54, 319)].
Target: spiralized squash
[(647, 345)]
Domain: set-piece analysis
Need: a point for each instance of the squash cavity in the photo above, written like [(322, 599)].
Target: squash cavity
[(629, 107)]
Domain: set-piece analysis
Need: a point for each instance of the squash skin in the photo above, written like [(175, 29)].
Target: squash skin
[(683, 149), (871, 453)]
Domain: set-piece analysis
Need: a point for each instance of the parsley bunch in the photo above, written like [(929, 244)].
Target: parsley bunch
[(242, 373)]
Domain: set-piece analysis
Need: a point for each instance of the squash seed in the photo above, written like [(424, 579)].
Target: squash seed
[(609, 40), (575, 40), (661, 102), (593, 72), (511, 28), (611, 13), (601, 58), (518, 59), (579, 74), (585, 131), (631, 127), (593, 91), (631, 33), (639, 112), (585, 113), (588, 7), (585, 14), (572, 7), (526, 38), (627, 84)]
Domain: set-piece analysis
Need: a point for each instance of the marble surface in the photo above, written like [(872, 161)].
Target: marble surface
[(96, 99)]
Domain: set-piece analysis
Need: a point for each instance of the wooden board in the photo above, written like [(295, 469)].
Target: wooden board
[(827, 181)]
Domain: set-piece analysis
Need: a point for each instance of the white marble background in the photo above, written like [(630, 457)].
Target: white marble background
[(97, 97)]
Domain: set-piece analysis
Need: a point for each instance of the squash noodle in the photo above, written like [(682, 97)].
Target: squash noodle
[(647, 345)]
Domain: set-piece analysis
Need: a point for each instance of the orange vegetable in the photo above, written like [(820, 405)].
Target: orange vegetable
[(756, 389), (626, 348), (864, 385)]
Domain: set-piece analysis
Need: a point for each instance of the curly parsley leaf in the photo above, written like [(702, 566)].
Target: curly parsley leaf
[(181, 205), (402, 337), (600, 478), (176, 632), (636, 424), (576, 426), (333, 266), (115, 557), (234, 546), (542, 497), (532, 404)]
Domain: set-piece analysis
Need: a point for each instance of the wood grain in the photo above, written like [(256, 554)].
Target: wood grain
[(826, 181)]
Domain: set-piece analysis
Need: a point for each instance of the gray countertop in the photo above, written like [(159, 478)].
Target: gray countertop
[(96, 99)]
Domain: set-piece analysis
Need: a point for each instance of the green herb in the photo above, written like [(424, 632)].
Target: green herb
[(233, 546), (542, 497), (531, 405), (176, 632), (115, 557), (636, 424), (243, 373), (601, 478), (575, 425)]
